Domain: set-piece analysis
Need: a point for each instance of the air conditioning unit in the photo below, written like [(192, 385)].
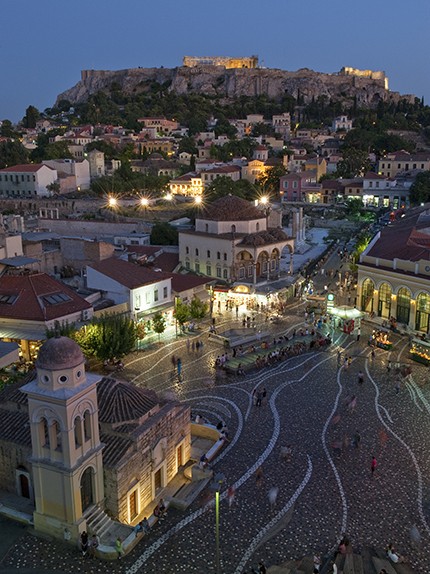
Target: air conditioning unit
[(86, 315)]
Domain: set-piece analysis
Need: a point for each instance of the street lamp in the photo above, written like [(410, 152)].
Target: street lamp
[(112, 201)]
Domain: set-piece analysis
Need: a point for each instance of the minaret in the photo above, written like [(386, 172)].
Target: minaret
[(66, 450)]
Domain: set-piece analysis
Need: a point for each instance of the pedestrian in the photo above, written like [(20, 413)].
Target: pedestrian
[(349, 361), (95, 542), (373, 465), (389, 367), (261, 568), (230, 495), (356, 440), (173, 359), (119, 548), (360, 377), (192, 346), (397, 387), (372, 354), (273, 495), (358, 334), (84, 543), (259, 476), (179, 366), (259, 399), (317, 564), (352, 404), (263, 394)]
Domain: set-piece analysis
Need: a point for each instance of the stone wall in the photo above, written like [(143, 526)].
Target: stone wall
[(11, 457)]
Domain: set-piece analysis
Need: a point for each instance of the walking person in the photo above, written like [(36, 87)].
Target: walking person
[(273, 495), (179, 367), (360, 377), (95, 542), (231, 493), (373, 465), (356, 440), (259, 476), (358, 334)]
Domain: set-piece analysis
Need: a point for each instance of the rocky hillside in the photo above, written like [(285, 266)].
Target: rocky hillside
[(303, 84)]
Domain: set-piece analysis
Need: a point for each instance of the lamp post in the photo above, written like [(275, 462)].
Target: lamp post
[(218, 480)]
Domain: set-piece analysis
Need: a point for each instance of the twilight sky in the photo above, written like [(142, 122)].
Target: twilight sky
[(45, 43)]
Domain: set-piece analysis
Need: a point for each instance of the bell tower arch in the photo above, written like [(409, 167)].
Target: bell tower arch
[(66, 449)]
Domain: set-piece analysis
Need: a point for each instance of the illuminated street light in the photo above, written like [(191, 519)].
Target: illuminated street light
[(198, 200), (112, 201), (168, 197), (264, 200), (144, 202)]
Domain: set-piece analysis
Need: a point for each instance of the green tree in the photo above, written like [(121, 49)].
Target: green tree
[(12, 153), (182, 312), (269, 182), (53, 187), (63, 329), (158, 324), (7, 130), (198, 308), (354, 163), (56, 150), (187, 144), (32, 114), (420, 189), (163, 234), (108, 337)]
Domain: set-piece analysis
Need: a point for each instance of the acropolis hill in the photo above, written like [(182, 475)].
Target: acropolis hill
[(215, 76)]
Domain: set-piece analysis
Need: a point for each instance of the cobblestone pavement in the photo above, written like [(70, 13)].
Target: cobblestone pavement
[(321, 495)]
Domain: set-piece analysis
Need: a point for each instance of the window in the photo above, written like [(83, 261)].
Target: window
[(78, 432), (218, 255), (285, 184), (28, 178), (241, 272), (208, 270), (187, 265), (187, 250), (295, 184), (87, 425), (208, 254), (55, 298), (45, 433), (197, 252), (155, 295), (225, 274), (198, 267), (34, 178), (225, 256), (164, 292), (218, 272), (57, 435), (22, 178)]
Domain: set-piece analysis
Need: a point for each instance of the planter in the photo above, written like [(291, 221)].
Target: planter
[(420, 359)]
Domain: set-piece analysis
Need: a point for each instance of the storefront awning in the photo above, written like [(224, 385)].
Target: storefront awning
[(36, 333)]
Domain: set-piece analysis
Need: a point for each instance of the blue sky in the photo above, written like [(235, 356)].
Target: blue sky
[(45, 43)]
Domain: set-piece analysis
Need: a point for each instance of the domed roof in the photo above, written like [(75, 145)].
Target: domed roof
[(123, 402), (231, 208), (59, 353)]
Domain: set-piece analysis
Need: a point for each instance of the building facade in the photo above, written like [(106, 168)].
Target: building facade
[(27, 180)]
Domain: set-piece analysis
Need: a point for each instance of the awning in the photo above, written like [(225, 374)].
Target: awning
[(36, 333)]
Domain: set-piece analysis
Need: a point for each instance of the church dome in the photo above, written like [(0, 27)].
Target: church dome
[(123, 402), (231, 208), (59, 353)]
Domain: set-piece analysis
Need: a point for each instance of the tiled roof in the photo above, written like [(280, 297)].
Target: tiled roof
[(267, 237), (15, 427), (24, 168), (231, 208), (38, 297), (184, 282), (403, 239), (122, 402), (116, 447), (128, 274)]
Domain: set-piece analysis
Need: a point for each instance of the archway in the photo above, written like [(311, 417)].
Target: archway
[(24, 486), (423, 313), (384, 301), (87, 497), (403, 305), (367, 290)]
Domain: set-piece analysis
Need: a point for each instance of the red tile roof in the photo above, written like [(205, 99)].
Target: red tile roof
[(131, 275), (24, 167), (38, 297), (184, 282)]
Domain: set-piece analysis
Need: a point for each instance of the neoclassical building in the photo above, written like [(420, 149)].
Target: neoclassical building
[(235, 241), (78, 446), (394, 272)]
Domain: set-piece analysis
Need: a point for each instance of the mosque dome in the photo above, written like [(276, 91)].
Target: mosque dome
[(59, 353)]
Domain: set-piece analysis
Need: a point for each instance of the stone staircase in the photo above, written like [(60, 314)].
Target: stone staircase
[(367, 561), (98, 522)]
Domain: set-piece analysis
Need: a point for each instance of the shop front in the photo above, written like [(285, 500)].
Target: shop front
[(344, 318)]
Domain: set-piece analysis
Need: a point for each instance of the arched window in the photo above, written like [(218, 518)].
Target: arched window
[(78, 432), (44, 438), (257, 227), (423, 313), (87, 425), (57, 434), (384, 301), (403, 305), (367, 290), (233, 228)]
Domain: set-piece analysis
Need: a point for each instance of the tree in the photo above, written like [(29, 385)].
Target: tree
[(12, 153), (53, 187), (63, 329), (198, 308), (108, 337), (163, 234), (182, 312), (7, 130), (420, 189), (187, 144), (56, 150), (158, 324), (32, 114), (354, 163), (269, 182)]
